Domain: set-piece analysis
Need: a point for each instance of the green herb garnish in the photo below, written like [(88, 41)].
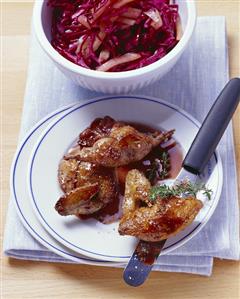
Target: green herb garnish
[(185, 188), (162, 163), (165, 161), (152, 172)]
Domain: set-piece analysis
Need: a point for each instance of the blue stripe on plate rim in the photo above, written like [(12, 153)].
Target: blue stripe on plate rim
[(25, 222), (120, 97)]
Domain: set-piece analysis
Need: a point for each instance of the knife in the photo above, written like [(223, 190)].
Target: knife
[(200, 152)]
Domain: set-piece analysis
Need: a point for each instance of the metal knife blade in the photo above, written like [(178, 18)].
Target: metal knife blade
[(185, 174), (141, 262)]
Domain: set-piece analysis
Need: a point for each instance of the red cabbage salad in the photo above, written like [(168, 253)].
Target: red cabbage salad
[(114, 35)]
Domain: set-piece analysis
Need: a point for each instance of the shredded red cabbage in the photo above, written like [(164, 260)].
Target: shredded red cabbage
[(114, 35)]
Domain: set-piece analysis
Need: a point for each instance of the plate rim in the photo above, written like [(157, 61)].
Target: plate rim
[(105, 257), (19, 211)]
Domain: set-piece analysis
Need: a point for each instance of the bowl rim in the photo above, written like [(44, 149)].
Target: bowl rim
[(65, 63)]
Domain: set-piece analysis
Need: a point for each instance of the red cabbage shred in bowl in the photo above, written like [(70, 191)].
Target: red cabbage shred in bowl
[(114, 36)]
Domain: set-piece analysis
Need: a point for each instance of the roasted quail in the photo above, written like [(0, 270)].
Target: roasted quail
[(154, 221), (87, 187), (117, 145)]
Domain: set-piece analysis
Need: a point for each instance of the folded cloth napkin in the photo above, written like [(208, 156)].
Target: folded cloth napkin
[(193, 84)]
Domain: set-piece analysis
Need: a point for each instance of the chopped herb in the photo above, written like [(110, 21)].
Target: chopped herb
[(152, 172), (185, 188), (165, 161), (207, 193), (159, 168)]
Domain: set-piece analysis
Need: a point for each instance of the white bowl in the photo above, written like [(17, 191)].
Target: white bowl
[(113, 82)]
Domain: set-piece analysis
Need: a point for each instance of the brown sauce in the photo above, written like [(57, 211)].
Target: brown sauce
[(169, 224), (173, 148), (146, 164), (148, 252), (110, 209)]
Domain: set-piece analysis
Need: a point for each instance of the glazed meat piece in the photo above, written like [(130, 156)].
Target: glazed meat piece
[(137, 188), (120, 145), (154, 221), (79, 201), (99, 128), (68, 174), (73, 173), (88, 187)]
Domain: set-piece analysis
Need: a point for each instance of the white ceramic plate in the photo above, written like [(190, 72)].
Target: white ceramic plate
[(23, 202), (90, 237)]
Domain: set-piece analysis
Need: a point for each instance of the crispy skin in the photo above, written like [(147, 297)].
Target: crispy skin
[(79, 180), (99, 128), (73, 173), (136, 191), (158, 221), (67, 174), (79, 200), (122, 145)]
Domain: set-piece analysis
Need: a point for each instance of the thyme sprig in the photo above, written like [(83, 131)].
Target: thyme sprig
[(165, 161), (184, 188), (152, 172), (159, 168)]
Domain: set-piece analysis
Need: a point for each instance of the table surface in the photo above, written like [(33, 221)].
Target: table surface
[(26, 279)]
